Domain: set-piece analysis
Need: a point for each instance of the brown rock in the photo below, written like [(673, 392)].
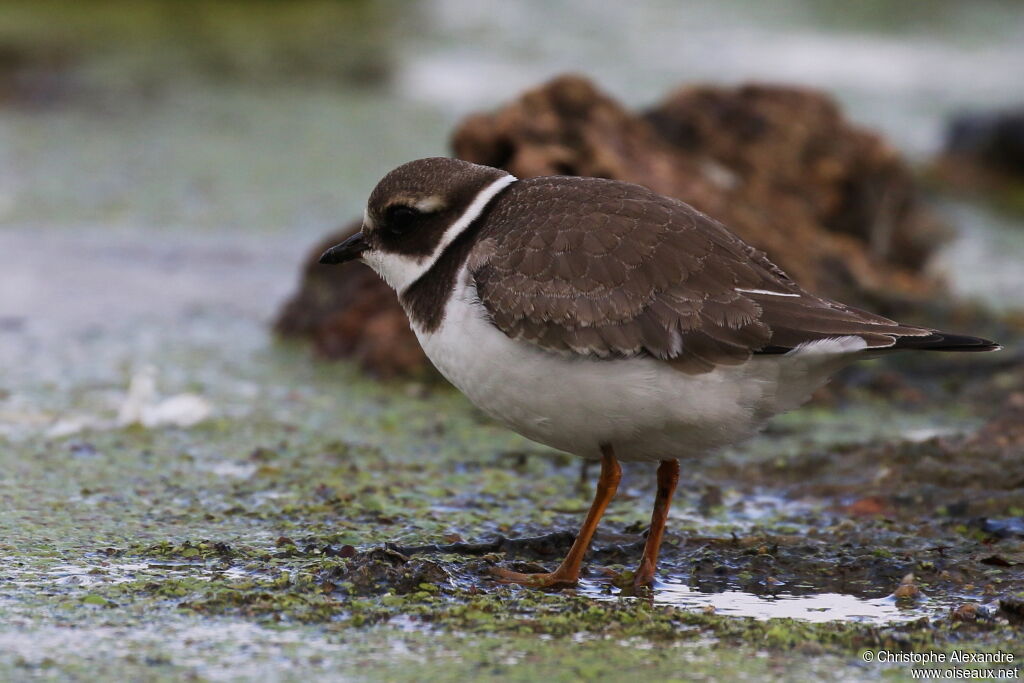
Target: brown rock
[(568, 127), (907, 590), (967, 611), (833, 204)]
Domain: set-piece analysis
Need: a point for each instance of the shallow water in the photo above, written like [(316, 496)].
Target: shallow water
[(814, 607), (154, 215)]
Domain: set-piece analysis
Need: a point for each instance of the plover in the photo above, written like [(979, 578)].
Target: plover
[(605, 320)]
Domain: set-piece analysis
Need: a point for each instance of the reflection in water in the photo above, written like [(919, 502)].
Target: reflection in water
[(817, 608)]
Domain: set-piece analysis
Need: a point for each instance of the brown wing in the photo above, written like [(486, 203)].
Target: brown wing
[(603, 268)]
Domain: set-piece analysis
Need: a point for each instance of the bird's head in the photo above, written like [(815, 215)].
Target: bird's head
[(415, 212)]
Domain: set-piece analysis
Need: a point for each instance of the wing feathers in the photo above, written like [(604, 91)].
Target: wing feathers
[(602, 268)]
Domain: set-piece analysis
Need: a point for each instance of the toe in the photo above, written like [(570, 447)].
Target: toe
[(552, 580)]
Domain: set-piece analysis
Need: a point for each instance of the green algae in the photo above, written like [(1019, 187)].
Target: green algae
[(139, 532), (273, 524), (254, 545)]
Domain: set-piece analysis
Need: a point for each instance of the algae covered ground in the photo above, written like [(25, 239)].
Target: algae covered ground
[(182, 497)]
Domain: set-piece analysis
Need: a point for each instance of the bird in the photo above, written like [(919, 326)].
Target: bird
[(602, 319)]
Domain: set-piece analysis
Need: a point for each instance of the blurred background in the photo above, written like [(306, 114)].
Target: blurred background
[(167, 167)]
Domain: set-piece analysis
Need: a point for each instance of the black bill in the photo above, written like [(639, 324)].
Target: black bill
[(349, 250)]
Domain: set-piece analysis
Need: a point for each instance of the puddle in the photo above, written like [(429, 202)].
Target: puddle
[(816, 608)]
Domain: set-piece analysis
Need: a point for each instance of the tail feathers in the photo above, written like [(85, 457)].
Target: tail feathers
[(945, 341)]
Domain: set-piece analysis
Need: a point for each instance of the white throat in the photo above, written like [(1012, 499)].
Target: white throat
[(401, 270)]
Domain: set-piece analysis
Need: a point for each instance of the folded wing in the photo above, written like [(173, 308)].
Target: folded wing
[(608, 269)]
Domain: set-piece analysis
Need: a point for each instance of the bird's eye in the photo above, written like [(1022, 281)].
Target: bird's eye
[(399, 219)]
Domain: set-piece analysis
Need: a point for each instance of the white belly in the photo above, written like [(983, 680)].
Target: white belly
[(640, 406)]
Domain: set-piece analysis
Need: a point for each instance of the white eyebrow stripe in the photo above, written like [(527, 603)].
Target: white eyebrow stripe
[(430, 204), (765, 291), (472, 212)]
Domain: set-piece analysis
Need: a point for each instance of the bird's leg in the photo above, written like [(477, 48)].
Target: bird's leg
[(668, 477), (568, 573)]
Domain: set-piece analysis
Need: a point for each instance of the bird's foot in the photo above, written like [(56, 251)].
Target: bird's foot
[(643, 577), (633, 584), (553, 579)]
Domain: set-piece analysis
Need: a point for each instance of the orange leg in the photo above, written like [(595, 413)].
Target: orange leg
[(568, 573), (668, 477)]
